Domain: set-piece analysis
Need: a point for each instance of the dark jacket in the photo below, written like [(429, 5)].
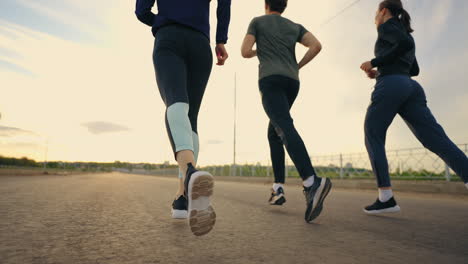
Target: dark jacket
[(191, 13), (395, 50)]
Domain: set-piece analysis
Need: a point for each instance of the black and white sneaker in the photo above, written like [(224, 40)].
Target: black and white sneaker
[(199, 189), (378, 207), (179, 208), (315, 195), (277, 198)]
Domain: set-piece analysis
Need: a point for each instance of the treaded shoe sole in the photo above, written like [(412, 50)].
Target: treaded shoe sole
[(319, 198), (279, 201), (179, 214), (394, 209), (202, 216)]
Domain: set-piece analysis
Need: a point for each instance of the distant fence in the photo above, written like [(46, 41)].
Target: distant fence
[(404, 164)]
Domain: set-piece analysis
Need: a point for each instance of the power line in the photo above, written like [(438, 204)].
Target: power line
[(329, 20)]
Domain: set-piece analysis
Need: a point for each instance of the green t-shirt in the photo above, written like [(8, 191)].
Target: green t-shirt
[(276, 39)]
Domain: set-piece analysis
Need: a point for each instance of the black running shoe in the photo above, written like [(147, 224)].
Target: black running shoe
[(277, 198), (378, 207), (199, 189), (179, 208), (315, 195)]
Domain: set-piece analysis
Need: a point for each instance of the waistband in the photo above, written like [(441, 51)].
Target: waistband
[(180, 26), (382, 77)]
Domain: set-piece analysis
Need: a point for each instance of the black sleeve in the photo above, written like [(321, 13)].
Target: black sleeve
[(414, 68), (143, 11), (224, 17), (401, 43)]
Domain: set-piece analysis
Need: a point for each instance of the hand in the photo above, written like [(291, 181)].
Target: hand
[(367, 66), (372, 74), (221, 54)]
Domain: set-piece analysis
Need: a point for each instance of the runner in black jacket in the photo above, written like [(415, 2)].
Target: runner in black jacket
[(396, 93)]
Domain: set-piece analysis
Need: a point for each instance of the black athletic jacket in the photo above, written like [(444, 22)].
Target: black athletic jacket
[(395, 50), (191, 13)]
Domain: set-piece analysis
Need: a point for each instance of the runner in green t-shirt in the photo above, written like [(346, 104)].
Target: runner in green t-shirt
[(276, 39)]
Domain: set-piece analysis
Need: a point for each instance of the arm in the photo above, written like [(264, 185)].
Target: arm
[(247, 47), (224, 17), (143, 11), (401, 43), (415, 68), (310, 41)]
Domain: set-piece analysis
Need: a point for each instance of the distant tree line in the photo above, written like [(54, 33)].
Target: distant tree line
[(22, 162), (84, 166)]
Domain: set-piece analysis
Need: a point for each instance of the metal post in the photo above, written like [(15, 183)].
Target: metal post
[(341, 167), (398, 163), (268, 169), (447, 172), (235, 117), (45, 155)]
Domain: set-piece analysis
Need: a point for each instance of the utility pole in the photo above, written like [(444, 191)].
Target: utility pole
[(45, 155), (235, 128)]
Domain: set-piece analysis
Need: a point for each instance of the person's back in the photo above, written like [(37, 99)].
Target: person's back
[(191, 13), (389, 60), (183, 60), (276, 39)]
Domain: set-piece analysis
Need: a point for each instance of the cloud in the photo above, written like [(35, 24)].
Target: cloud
[(73, 20), (5, 52), (21, 145), (101, 127), (15, 68), (60, 14), (13, 131)]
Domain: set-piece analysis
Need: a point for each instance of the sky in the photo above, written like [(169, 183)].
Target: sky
[(77, 81)]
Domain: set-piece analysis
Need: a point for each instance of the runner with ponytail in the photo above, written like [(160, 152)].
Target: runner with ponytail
[(397, 93)]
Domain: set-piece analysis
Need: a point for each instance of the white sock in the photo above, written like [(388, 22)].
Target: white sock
[(276, 186), (466, 185), (385, 195), (309, 181)]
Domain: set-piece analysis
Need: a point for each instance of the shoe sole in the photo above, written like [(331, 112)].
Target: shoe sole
[(321, 194), (279, 201), (179, 214), (202, 217), (394, 209)]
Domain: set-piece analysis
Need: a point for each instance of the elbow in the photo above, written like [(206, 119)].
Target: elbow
[(245, 54), (145, 17), (139, 15), (319, 47)]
